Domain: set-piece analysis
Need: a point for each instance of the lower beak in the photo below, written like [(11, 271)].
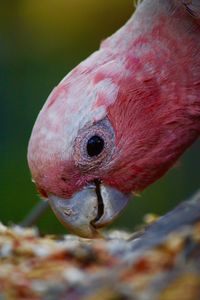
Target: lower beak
[(90, 209)]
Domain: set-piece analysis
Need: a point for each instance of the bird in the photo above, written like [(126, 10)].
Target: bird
[(121, 118)]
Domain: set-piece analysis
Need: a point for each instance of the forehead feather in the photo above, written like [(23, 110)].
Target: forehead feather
[(80, 99)]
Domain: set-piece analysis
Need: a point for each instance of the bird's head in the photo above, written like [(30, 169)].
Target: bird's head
[(113, 125), (92, 143), (74, 148)]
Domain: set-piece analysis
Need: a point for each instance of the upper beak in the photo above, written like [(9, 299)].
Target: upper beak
[(94, 207)]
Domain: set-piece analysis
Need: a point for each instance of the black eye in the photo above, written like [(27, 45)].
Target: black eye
[(95, 145)]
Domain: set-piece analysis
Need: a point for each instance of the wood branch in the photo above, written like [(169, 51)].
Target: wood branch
[(160, 262)]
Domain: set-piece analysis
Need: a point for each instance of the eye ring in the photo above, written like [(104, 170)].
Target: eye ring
[(104, 132)]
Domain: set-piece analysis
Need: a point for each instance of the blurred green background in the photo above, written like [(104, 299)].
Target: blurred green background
[(40, 41)]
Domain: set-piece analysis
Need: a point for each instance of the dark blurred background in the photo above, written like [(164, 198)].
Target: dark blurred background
[(40, 42)]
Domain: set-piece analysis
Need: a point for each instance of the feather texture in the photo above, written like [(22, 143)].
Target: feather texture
[(145, 82)]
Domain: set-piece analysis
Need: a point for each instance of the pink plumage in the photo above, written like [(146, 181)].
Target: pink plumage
[(140, 94)]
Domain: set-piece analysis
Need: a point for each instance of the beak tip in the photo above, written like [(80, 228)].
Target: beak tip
[(114, 203)]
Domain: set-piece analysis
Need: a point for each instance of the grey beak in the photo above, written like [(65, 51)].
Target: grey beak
[(94, 207)]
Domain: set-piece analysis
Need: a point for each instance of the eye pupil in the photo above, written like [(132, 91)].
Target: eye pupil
[(95, 145)]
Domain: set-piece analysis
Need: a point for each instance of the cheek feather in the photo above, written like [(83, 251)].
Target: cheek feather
[(61, 178), (156, 116)]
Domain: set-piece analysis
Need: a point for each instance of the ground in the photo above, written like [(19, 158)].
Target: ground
[(161, 261)]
